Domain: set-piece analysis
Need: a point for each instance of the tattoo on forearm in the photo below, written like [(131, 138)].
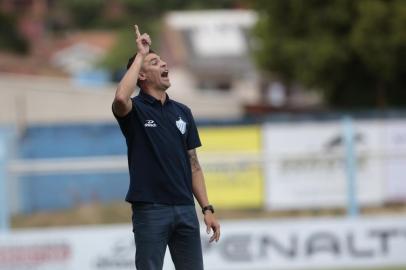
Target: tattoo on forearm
[(194, 162)]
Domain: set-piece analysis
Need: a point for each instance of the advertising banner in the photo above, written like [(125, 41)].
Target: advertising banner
[(327, 243), (395, 160), (305, 165), (84, 248), (365, 243), (231, 161)]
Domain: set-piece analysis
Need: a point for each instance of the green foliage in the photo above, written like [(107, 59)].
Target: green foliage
[(91, 13), (84, 14), (352, 51), (9, 37)]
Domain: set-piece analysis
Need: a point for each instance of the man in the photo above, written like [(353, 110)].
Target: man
[(161, 138)]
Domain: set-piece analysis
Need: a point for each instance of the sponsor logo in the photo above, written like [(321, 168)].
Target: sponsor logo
[(150, 123), (181, 125), (32, 255), (370, 244), (119, 256)]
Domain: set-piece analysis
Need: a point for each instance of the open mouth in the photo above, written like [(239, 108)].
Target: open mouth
[(165, 74)]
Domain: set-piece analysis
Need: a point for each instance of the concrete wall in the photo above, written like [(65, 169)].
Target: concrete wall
[(31, 100)]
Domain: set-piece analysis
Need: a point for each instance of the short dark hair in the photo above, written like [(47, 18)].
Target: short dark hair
[(131, 60)]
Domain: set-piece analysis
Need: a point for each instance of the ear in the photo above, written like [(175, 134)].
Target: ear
[(141, 76)]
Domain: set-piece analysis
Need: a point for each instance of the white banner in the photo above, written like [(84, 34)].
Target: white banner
[(244, 245), (84, 248), (309, 244), (395, 160), (305, 168)]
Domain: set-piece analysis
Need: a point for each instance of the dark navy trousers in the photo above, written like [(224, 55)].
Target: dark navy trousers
[(157, 226)]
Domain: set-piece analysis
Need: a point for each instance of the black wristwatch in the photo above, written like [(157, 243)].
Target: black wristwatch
[(208, 207)]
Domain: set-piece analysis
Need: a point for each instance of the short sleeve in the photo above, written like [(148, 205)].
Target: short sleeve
[(193, 139), (126, 122)]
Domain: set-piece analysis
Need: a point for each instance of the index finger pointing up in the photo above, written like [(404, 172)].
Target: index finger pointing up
[(137, 32)]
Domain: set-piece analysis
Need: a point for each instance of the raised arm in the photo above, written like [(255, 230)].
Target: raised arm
[(200, 193), (122, 104)]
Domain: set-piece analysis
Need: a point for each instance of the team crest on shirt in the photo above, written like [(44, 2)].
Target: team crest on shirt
[(181, 125)]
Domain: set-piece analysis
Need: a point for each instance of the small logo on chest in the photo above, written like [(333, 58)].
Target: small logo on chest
[(181, 125), (150, 123)]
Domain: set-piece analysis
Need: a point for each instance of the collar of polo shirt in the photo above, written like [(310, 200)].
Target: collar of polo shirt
[(150, 99)]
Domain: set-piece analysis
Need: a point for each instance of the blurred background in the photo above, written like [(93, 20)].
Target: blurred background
[(300, 107)]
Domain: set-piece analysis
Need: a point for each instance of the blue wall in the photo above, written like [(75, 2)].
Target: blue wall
[(80, 140), (60, 191), (39, 192)]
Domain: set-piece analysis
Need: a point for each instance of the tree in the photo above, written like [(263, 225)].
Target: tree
[(354, 52), (10, 39)]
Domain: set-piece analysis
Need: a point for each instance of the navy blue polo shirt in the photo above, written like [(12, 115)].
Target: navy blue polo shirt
[(158, 137)]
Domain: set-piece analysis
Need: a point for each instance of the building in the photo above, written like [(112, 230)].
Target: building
[(208, 53)]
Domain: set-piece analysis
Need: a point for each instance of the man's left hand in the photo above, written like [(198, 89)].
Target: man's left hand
[(212, 224)]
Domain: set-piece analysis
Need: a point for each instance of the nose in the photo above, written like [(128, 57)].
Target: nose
[(163, 64)]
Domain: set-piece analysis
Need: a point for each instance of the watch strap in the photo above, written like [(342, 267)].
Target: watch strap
[(208, 207)]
